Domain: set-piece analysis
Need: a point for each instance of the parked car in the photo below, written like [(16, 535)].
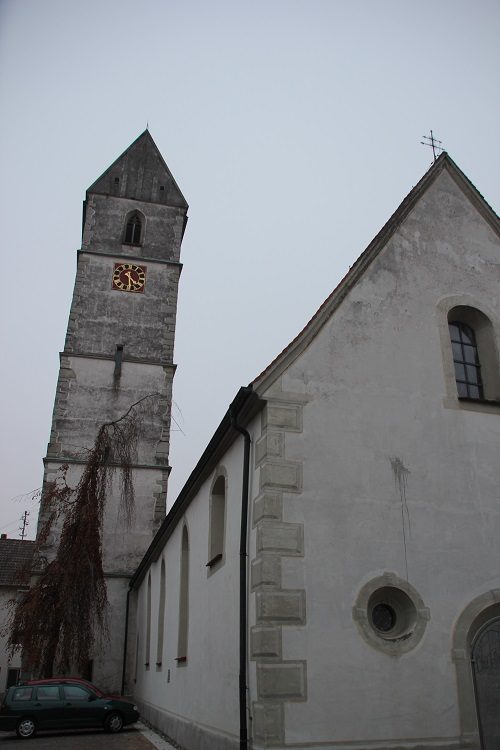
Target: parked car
[(62, 704)]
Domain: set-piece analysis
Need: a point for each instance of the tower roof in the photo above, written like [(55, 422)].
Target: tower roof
[(140, 173)]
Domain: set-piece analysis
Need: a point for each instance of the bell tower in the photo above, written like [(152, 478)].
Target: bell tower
[(118, 351)]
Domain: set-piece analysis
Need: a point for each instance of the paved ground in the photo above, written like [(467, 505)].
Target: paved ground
[(137, 737)]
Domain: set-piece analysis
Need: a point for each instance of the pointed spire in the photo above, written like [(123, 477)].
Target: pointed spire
[(140, 173)]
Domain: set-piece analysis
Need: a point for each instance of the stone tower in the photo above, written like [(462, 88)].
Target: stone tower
[(118, 350)]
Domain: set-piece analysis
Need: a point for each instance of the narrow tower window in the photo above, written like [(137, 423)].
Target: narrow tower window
[(118, 360), (133, 230), (466, 360)]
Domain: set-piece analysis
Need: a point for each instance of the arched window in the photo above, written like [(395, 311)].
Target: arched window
[(148, 623), (466, 360), (217, 521), (182, 643), (133, 229), (161, 617), (474, 354)]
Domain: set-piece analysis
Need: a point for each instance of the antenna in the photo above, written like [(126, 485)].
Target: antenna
[(25, 523), (433, 143)]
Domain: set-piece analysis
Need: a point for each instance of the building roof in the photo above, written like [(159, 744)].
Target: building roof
[(15, 561), (332, 302), (249, 400), (141, 174)]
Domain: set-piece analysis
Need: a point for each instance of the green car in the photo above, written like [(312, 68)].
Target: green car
[(50, 704)]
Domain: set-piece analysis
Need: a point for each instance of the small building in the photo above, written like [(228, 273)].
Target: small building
[(329, 576), (16, 556)]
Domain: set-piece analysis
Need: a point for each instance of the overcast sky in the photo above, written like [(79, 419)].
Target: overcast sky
[(293, 128)]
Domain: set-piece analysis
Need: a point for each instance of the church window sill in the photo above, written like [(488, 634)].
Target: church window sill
[(479, 401), (214, 560)]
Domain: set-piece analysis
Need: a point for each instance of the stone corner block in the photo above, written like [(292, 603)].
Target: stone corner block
[(282, 681), (265, 642), (283, 416), (267, 505), (286, 607), (266, 571), (54, 449), (281, 475), (268, 723), (271, 444), (282, 538)]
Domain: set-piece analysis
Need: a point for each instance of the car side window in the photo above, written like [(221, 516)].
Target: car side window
[(75, 693), (22, 694), (48, 693)]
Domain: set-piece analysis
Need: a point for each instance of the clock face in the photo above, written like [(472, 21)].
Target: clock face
[(128, 277)]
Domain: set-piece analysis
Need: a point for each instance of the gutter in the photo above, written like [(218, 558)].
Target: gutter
[(243, 580), (125, 644)]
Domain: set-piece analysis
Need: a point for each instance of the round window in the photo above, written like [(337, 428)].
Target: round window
[(383, 617), (391, 612)]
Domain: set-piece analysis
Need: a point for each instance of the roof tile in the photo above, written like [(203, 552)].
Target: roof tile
[(15, 559)]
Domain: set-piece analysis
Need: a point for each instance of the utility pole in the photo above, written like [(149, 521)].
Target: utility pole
[(24, 524)]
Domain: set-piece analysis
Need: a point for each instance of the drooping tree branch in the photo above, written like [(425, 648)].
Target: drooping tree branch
[(63, 613)]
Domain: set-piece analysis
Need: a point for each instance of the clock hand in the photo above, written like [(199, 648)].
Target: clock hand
[(131, 281)]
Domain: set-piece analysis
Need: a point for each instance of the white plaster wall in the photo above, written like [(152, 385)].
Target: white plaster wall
[(374, 376), (204, 691)]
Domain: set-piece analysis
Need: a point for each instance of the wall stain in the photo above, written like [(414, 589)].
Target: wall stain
[(401, 474)]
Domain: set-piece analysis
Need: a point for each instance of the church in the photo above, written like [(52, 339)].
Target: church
[(328, 577)]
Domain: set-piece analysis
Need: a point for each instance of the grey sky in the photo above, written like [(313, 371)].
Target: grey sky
[(292, 128)]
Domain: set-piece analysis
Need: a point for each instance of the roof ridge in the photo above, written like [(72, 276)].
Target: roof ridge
[(371, 251)]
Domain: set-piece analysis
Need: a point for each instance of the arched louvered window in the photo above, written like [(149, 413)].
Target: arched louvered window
[(466, 360), (133, 230)]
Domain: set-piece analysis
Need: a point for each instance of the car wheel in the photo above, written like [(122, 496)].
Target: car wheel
[(26, 728), (113, 723)]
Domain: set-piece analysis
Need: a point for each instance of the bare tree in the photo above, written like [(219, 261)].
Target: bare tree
[(59, 619)]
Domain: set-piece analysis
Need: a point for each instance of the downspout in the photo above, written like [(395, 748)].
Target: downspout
[(243, 582), (125, 643)]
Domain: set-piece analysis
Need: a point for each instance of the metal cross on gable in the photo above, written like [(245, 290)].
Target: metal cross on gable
[(433, 142)]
